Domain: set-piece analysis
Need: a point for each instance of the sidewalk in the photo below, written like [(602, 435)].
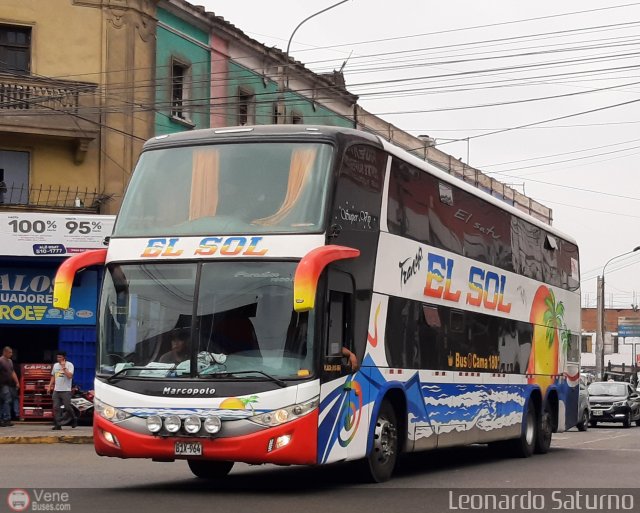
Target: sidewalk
[(29, 432)]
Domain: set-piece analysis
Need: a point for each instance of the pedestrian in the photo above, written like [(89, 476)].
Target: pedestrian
[(60, 385), (15, 393), (7, 379)]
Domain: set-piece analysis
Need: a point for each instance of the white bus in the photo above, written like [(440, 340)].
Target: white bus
[(308, 295)]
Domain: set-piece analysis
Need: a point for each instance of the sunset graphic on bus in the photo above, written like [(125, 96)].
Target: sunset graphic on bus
[(547, 318)]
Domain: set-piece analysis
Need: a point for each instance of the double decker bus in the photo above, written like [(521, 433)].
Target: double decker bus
[(311, 294)]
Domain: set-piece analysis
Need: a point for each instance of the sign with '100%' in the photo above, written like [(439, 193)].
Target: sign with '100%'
[(42, 234)]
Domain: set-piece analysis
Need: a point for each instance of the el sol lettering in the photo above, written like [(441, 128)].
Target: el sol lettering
[(209, 246), (486, 288)]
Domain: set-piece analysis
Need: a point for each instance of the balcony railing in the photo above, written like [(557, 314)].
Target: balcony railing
[(21, 196), (19, 93)]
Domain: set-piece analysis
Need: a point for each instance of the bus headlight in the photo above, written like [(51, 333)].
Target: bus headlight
[(106, 411), (212, 425), (192, 424), (172, 423), (154, 423), (283, 415)]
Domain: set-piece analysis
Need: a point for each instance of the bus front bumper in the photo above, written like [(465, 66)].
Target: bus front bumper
[(265, 446)]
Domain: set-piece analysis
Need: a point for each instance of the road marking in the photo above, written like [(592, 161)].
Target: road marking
[(600, 439), (598, 449)]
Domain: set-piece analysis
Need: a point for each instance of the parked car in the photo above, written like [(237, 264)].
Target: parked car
[(614, 401), (584, 409)]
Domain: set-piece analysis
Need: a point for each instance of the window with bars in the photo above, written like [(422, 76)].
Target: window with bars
[(180, 90), (15, 49), (246, 107)]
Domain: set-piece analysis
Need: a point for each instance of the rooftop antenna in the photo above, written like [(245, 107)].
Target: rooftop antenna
[(345, 62)]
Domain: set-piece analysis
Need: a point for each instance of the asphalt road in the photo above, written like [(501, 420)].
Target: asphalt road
[(603, 457)]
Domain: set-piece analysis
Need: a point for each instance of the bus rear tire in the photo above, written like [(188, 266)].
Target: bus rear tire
[(524, 446), (544, 432), (210, 469), (381, 462)]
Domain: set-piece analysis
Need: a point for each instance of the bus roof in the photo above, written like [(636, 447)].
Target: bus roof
[(297, 132), (454, 180), (231, 134)]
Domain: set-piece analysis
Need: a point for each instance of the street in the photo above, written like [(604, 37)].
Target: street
[(604, 457)]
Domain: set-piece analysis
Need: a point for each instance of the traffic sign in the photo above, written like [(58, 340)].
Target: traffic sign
[(626, 330)]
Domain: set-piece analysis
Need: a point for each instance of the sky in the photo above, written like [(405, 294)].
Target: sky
[(543, 96)]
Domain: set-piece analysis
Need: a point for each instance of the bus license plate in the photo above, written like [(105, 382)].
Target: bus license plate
[(188, 449)]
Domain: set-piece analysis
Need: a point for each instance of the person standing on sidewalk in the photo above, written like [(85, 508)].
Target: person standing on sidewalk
[(60, 384), (7, 379)]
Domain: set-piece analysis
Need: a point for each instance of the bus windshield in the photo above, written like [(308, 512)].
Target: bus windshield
[(158, 321), (227, 189)]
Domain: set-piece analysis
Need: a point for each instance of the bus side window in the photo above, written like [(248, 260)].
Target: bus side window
[(338, 321)]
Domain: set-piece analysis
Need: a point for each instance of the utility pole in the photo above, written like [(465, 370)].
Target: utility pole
[(600, 328)]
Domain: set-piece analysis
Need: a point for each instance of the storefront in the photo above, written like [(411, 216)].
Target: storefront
[(32, 246)]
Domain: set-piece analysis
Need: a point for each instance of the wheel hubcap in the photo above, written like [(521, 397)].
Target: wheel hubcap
[(385, 439), (530, 429)]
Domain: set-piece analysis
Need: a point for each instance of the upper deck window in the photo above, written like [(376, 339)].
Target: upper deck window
[(227, 189)]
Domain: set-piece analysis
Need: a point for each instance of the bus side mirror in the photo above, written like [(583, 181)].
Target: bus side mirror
[(305, 281), (63, 282)]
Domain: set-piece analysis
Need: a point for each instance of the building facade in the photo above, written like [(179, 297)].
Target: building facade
[(621, 352), (183, 69), (72, 122)]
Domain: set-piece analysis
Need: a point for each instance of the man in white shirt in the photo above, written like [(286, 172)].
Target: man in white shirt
[(60, 384)]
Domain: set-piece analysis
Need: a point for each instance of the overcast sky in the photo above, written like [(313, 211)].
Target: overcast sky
[(463, 69)]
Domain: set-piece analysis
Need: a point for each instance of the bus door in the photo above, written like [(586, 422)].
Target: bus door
[(338, 327), (342, 387)]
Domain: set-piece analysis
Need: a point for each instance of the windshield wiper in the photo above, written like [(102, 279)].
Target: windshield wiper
[(234, 373), (124, 370)]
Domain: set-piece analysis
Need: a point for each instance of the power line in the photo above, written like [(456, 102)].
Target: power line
[(475, 27)]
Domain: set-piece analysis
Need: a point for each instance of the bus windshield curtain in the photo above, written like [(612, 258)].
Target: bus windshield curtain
[(205, 176), (301, 164)]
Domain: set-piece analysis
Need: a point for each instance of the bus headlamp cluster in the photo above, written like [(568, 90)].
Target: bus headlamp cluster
[(283, 415), (191, 424), (106, 411)]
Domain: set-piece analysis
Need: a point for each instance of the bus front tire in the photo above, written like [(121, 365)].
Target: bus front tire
[(210, 469), (384, 454)]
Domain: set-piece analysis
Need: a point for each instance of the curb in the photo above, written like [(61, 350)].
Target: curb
[(47, 439)]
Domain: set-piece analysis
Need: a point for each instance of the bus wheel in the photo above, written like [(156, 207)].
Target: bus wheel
[(210, 469), (524, 446), (545, 431), (384, 453)]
